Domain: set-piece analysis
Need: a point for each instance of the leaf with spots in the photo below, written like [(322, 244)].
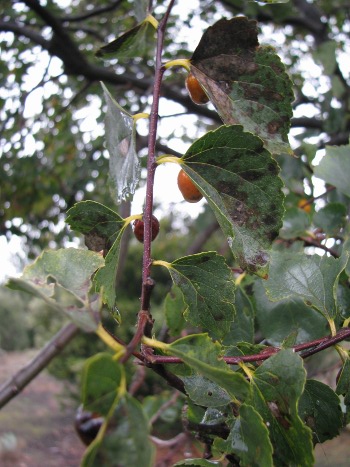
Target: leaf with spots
[(207, 285), (99, 224), (240, 181), (247, 83), (242, 440), (319, 407), (277, 385)]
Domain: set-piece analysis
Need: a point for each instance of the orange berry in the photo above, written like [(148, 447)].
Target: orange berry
[(195, 90), (188, 189), (139, 229), (303, 204)]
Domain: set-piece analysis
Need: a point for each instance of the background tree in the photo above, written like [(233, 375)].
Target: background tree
[(51, 137), (53, 155)]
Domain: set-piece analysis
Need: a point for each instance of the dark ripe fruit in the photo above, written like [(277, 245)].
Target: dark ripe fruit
[(195, 90), (87, 425), (188, 189), (139, 229)]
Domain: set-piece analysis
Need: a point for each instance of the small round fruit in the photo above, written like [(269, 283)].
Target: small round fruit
[(303, 204), (139, 228), (188, 189), (87, 425), (195, 90)]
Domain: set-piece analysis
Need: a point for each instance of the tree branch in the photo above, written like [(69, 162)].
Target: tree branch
[(90, 14), (25, 375)]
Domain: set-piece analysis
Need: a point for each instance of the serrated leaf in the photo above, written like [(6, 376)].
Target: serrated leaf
[(334, 167), (331, 218), (174, 307), (99, 222), (248, 439), (103, 383), (277, 385), (242, 328), (278, 320), (126, 439), (295, 223), (240, 181), (319, 407), (124, 163), (247, 84), (207, 285), (314, 279), (205, 357), (132, 44), (62, 279), (105, 277)]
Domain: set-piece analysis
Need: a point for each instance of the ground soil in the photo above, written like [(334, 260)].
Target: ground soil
[(41, 420)]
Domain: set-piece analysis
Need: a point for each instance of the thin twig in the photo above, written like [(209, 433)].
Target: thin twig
[(316, 243), (163, 407), (314, 346)]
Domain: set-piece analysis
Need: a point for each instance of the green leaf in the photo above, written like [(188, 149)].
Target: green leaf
[(279, 320), (62, 279), (295, 223), (343, 299), (105, 277), (320, 409), (242, 328), (314, 279), (248, 439), (205, 357), (132, 44), (174, 307), (240, 181), (277, 385), (97, 222), (103, 382), (334, 167), (343, 384), (331, 218), (126, 441), (204, 392), (207, 285), (247, 84), (124, 163), (101, 226)]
